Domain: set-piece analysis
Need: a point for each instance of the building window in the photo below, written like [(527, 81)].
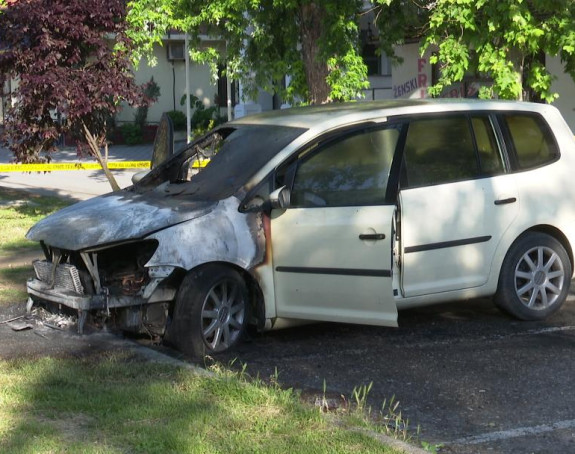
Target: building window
[(222, 95), (377, 65)]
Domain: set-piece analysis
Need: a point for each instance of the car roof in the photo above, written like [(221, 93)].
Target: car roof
[(337, 114)]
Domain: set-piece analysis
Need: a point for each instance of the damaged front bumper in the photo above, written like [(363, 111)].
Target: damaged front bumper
[(64, 284)]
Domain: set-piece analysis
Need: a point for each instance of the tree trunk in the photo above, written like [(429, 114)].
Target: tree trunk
[(517, 59), (316, 71), (95, 149)]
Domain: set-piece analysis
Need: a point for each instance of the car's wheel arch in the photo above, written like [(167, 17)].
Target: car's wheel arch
[(557, 234), (505, 246), (534, 279), (255, 293)]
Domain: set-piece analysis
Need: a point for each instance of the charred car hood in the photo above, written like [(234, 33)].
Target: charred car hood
[(118, 216)]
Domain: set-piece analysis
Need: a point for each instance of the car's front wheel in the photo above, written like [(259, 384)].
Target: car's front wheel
[(211, 311), (535, 277)]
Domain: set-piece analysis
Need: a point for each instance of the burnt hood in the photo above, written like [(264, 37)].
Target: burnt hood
[(117, 216)]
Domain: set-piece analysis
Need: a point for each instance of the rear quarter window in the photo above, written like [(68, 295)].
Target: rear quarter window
[(532, 142)]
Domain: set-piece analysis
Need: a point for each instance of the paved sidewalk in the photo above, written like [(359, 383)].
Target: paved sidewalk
[(75, 184)]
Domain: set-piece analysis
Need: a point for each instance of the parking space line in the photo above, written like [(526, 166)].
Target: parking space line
[(513, 433)]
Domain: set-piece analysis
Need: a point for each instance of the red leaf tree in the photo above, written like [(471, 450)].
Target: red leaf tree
[(70, 59)]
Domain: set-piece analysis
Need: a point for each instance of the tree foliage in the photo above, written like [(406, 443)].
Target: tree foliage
[(314, 42), (398, 21), (503, 40), (71, 61)]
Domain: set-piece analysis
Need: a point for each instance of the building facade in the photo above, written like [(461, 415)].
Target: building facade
[(407, 80)]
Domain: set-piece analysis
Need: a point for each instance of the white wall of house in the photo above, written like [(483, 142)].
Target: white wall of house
[(565, 87), (171, 78), (411, 78)]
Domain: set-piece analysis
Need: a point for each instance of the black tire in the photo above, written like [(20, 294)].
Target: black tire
[(535, 277), (211, 312)]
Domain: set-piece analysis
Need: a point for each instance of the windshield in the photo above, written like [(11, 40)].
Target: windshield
[(233, 153)]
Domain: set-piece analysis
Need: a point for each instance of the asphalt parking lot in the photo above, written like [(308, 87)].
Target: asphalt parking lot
[(473, 379)]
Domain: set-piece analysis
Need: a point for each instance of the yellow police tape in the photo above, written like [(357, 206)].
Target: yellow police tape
[(83, 166)]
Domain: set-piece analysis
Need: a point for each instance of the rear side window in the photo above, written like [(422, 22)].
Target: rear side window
[(452, 148), (532, 142), (488, 150)]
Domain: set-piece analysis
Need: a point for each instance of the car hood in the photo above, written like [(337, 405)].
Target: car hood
[(117, 216)]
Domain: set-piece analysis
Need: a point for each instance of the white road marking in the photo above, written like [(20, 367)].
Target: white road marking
[(513, 433)]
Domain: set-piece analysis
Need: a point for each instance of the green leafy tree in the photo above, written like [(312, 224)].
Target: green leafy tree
[(503, 40), (314, 42), (398, 21)]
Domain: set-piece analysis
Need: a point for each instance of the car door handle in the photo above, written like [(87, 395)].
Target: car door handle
[(372, 236), (505, 201)]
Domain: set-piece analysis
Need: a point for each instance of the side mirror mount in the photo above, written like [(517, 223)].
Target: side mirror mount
[(163, 142), (139, 175), (280, 198)]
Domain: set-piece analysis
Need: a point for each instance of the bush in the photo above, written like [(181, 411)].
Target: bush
[(132, 133), (178, 118), (151, 91), (203, 118)]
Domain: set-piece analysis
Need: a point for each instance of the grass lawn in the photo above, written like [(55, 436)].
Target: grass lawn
[(117, 403), (18, 212)]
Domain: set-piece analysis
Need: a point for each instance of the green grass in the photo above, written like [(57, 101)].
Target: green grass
[(114, 403), (18, 212)]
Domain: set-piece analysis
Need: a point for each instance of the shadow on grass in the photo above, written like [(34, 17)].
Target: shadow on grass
[(33, 203), (108, 403)]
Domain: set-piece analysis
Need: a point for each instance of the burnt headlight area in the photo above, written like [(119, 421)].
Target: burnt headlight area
[(122, 268), (119, 270)]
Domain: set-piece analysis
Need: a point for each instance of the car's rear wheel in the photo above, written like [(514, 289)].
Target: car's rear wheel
[(211, 311), (535, 277)]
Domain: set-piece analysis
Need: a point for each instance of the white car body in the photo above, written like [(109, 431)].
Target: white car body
[(427, 233)]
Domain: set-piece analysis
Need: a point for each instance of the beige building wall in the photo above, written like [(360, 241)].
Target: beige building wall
[(171, 78), (565, 87), (411, 79), (408, 80)]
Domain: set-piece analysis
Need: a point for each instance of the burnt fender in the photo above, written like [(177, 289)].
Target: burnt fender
[(223, 235)]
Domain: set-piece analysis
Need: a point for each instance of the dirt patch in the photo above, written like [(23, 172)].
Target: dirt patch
[(9, 259), (41, 334)]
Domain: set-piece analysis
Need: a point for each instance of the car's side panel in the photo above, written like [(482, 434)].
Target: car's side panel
[(544, 202), (449, 233)]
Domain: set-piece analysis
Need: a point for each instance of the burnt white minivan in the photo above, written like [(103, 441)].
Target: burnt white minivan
[(343, 213)]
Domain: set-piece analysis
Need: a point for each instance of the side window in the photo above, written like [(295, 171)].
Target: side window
[(489, 155), (532, 141), (352, 171), (440, 150)]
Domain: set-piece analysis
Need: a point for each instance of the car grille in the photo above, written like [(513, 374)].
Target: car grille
[(66, 276)]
